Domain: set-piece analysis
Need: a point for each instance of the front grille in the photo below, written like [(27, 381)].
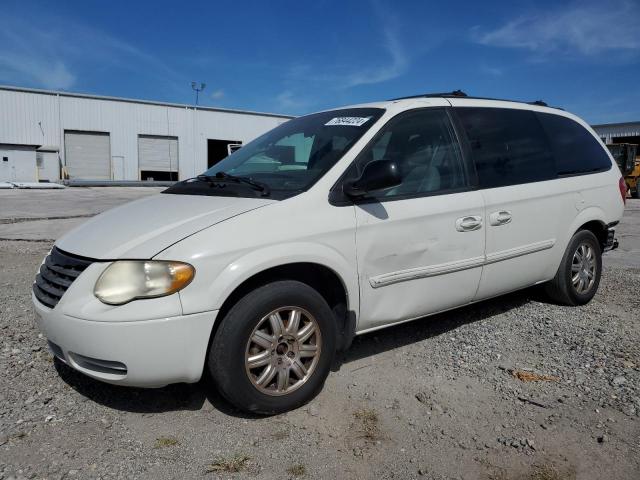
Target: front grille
[(56, 275)]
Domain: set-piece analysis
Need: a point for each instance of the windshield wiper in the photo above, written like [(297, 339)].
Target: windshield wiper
[(222, 176)]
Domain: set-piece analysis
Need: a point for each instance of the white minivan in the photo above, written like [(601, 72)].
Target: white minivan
[(331, 225)]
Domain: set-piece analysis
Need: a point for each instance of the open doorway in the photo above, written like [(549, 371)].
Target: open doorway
[(635, 140), (218, 149)]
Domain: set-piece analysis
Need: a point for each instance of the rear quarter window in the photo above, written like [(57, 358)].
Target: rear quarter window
[(576, 151), (508, 146)]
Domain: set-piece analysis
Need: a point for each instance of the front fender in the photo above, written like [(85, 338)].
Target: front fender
[(214, 285)]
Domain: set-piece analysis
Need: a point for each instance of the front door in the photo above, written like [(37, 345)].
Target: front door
[(420, 245)]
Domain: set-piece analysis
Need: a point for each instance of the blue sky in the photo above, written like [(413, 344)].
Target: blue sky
[(298, 57)]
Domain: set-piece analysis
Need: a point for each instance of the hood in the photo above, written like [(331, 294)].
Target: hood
[(145, 227)]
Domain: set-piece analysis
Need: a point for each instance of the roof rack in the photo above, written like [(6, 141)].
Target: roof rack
[(461, 94), (455, 93)]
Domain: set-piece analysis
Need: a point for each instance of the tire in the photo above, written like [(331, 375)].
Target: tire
[(266, 315), (564, 288), (635, 193)]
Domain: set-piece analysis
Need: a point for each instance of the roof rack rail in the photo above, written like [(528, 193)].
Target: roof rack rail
[(455, 93), (461, 94)]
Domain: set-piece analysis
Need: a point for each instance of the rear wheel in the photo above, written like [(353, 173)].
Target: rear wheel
[(274, 349), (578, 276), (635, 192)]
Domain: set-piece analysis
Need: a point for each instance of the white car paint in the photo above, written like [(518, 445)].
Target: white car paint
[(397, 260), (410, 251), (146, 226)]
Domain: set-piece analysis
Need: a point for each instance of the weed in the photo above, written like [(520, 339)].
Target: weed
[(297, 470), (230, 465), (162, 442), (548, 472), (281, 435), (369, 421)]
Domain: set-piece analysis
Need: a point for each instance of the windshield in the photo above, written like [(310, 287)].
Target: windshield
[(288, 159)]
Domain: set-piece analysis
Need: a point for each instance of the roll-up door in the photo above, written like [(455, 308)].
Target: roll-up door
[(87, 155), (157, 154)]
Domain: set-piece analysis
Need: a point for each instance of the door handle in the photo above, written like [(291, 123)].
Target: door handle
[(468, 224), (501, 217)]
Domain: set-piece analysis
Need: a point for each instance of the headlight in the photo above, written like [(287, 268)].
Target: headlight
[(127, 280)]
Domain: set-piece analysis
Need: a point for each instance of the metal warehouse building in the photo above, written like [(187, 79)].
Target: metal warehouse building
[(48, 135), (628, 132)]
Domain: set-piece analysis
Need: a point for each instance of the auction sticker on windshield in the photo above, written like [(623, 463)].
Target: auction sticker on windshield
[(348, 121)]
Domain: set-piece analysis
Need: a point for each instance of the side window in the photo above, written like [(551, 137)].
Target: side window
[(508, 146), (423, 146), (575, 149)]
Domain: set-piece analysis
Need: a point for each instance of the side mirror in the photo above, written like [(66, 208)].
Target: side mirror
[(377, 175)]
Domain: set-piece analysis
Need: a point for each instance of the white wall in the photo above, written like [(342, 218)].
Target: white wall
[(40, 118)]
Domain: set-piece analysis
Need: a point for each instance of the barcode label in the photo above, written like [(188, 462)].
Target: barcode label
[(348, 121)]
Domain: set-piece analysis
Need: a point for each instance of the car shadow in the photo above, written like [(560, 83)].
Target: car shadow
[(183, 396), (175, 397), (404, 334)]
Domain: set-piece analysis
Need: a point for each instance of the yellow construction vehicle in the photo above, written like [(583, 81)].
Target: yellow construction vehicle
[(625, 155)]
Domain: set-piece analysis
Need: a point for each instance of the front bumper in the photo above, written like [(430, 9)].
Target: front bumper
[(144, 353)]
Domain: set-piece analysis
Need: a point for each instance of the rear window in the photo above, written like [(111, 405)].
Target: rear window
[(575, 149), (508, 146)]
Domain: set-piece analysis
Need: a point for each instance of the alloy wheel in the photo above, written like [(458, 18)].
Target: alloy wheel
[(283, 351), (583, 268)]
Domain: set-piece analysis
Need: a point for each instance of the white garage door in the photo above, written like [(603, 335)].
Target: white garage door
[(87, 155), (157, 154)]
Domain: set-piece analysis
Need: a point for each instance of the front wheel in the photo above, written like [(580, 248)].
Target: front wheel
[(578, 276), (274, 348)]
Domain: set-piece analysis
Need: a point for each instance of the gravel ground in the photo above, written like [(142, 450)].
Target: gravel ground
[(440, 398)]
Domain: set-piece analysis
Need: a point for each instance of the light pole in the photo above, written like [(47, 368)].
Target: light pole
[(198, 89)]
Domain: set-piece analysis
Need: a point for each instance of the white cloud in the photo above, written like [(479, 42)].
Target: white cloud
[(492, 71), (43, 72), (288, 102), (52, 52), (589, 29), (28, 55), (217, 94), (397, 65), (392, 61)]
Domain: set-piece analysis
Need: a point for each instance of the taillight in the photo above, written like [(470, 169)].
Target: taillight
[(623, 190)]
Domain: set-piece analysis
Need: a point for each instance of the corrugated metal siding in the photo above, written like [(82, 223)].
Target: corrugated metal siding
[(21, 113), (620, 130)]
